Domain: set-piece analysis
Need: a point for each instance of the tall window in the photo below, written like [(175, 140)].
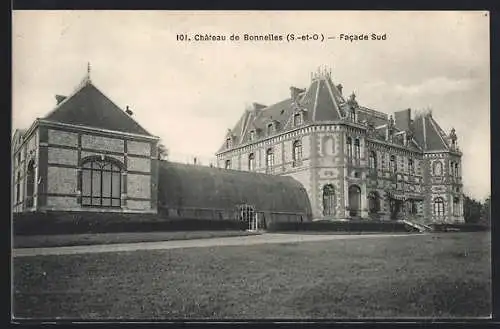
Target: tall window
[(18, 188), (456, 207), (30, 184), (372, 160), (373, 202), (297, 119), (101, 183), (252, 135), (438, 168), (251, 162), (457, 174), (227, 164), (393, 164), (269, 160), (328, 200), (229, 143), (411, 168), (297, 153), (357, 151), (349, 148), (438, 209)]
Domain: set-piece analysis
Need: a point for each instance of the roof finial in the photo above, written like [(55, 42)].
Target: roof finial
[(87, 78)]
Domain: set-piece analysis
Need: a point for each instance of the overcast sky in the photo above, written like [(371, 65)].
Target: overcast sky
[(190, 93)]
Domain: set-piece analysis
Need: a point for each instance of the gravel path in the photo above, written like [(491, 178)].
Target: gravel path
[(195, 243)]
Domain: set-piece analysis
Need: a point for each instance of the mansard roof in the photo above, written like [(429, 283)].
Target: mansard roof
[(194, 186), (323, 101), (88, 106), (429, 134)]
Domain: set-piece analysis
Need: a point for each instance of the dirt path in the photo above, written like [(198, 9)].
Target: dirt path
[(195, 243)]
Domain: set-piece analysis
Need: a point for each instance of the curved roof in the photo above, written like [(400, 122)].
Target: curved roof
[(194, 186)]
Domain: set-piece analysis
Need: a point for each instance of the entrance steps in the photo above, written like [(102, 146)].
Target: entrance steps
[(420, 227)]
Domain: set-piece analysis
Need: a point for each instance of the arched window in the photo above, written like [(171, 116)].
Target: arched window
[(349, 147), (251, 162), (269, 160), (30, 184), (372, 160), (297, 153), (438, 168), (411, 168), (354, 200), (101, 183), (373, 202), (328, 200), (357, 150), (227, 164), (393, 164), (252, 135), (438, 209), (297, 119), (456, 206), (270, 128)]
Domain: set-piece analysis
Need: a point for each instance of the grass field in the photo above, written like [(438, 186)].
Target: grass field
[(433, 275), (37, 241)]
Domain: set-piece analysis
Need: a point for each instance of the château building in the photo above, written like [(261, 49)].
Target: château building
[(354, 162)]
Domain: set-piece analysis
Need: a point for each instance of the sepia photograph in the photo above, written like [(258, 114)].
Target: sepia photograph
[(250, 165)]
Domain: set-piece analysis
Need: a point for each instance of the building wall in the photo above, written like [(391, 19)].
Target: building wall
[(325, 161), (443, 185), (64, 149), (26, 151)]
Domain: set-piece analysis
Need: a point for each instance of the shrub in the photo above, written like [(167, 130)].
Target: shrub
[(90, 222), (344, 226)]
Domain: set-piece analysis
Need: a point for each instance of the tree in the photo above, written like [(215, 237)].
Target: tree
[(472, 210), (485, 212), (162, 151)]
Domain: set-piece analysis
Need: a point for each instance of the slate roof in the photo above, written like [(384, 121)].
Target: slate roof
[(428, 134), (323, 101), (185, 185), (88, 106)]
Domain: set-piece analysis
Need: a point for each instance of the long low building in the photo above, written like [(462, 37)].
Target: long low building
[(88, 154)]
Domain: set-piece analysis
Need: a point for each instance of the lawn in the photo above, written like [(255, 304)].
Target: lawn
[(37, 241), (433, 275)]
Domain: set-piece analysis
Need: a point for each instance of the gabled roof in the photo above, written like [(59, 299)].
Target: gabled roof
[(428, 134), (88, 106)]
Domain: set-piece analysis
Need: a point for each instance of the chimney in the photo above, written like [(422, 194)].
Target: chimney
[(340, 87), (60, 98), (128, 111), (295, 92), (403, 119)]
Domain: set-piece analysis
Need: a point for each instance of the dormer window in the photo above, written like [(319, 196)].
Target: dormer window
[(229, 142), (252, 135), (297, 119), (270, 128)]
